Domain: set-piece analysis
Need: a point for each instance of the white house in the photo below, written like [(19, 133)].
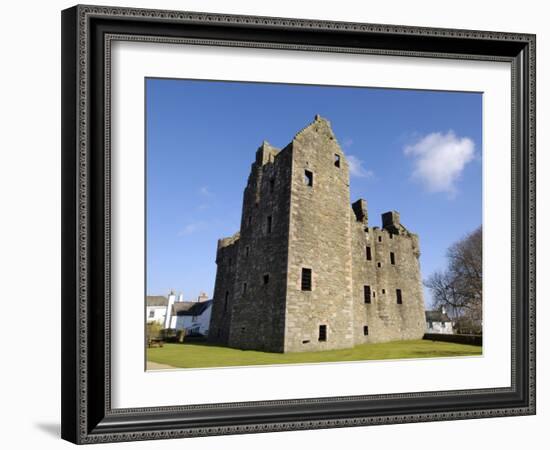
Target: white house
[(159, 309), (193, 316), (175, 313), (156, 309), (438, 322)]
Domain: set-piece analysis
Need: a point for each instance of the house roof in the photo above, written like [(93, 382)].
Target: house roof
[(437, 316), (156, 300), (190, 308)]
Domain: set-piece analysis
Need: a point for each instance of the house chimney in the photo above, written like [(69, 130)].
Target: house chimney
[(180, 297), (202, 297), (168, 318)]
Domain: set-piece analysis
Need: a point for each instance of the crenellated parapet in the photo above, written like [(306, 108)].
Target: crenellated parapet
[(266, 153), (227, 241), (361, 212)]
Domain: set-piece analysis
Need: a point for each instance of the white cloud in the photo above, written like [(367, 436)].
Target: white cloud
[(439, 160), (191, 228), (207, 196), (356, 168), (348, 142), (205, 192)]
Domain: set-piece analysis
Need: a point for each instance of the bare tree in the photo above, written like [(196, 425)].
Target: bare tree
[(459, 287)]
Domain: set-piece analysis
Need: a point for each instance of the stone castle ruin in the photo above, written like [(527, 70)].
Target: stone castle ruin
[(306, 272)]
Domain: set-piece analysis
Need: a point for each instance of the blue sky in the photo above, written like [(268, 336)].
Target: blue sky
[(417, 152)]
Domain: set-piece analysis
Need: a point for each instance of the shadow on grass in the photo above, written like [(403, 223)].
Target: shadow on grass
[(204, 343)]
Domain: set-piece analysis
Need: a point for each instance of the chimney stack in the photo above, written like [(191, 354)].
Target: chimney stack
[(202, 297), (168, 318)]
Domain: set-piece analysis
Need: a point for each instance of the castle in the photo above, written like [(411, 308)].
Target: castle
[(306, 272)]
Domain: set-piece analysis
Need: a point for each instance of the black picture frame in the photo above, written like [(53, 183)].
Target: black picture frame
[(87, 415)]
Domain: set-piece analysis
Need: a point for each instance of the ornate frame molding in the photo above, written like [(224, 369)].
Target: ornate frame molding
[(88, 32)]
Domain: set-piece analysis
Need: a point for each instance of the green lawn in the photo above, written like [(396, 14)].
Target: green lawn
[(206, 355)]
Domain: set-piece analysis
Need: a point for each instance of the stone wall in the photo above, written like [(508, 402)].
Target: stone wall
[(385, 318), (319, 240), (224, 289), (468, 339)]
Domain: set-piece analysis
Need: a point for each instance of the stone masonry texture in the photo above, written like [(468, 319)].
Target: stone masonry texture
[(365, 283)]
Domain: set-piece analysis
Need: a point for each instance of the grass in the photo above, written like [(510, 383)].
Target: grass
[(195, 355)]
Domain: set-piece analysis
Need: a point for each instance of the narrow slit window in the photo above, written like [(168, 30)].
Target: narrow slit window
[(379, 238), (266, 278), (225, 301), (247, 251), (249, 220), (306, 279), (392, 258), (322, 333), (379, 264), (399, 296), (308, 178), (244, 288), (369, 254), (365, 330), (271, 185), (367, 293), (337, 160), (269, 223), (383, 291)]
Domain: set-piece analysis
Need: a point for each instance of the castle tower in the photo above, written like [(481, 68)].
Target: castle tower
[(294, 277), (250, 290), (319, 297)]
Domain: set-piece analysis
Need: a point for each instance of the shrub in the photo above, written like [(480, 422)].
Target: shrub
[(154, 330)]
